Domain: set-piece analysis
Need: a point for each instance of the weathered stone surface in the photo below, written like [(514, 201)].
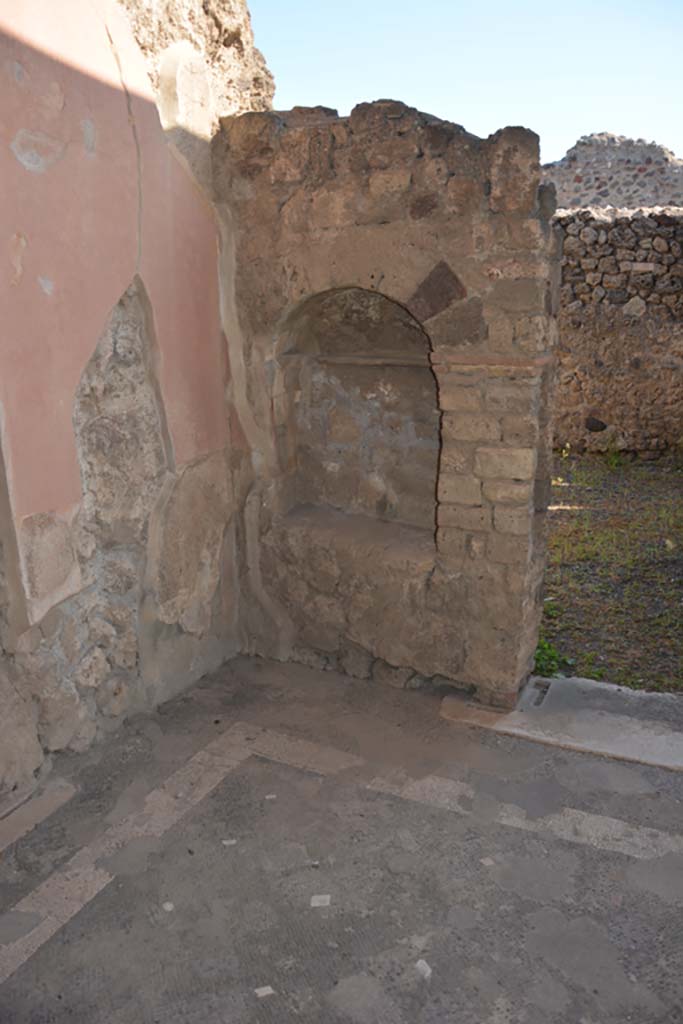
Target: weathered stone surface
[(186, 537), (343, 225), (355, 661), (188, 616), (156, 604), (50, 568), (387, 601), (123, 443), (21, 753), (391, 675), (220, 31)]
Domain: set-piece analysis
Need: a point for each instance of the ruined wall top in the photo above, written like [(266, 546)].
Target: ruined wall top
[(389, 199), (220, 31), (611, 170)]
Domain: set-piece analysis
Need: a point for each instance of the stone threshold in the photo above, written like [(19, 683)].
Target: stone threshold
[(587, 716)]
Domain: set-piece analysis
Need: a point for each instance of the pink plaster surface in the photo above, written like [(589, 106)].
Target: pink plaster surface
[(75, 233)]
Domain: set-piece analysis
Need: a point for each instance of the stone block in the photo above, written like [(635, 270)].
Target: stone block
[(465, 517), (510, 396), (512, 520), (501, 330), (526, 295), (462, 323), (437, 291), (185, 537), (461, 490), (520, 430), (513, 173), (471, 427), (355, 661), (532, 334), (49, 563), (453, 398), (92, 670), (456, 458), (505, 463), (452, 544), (507, 492)]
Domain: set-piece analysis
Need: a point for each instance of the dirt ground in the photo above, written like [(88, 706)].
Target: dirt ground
[(614, 584)]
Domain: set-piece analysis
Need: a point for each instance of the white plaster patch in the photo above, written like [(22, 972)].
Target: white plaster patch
[(168, 906), (89, 133), (53, 100), (17, 248), (36, 151), (18, 72), (423, 969), (264, 991), (321, 900)]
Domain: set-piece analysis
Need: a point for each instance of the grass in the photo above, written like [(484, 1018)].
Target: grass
[(614, 583)]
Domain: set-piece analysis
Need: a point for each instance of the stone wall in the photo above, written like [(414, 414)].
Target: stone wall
[(620, 380), (611, 170), (118, 563), (448, 239), (285, 393)]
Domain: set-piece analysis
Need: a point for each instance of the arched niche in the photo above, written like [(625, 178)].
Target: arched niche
[(363, 417)]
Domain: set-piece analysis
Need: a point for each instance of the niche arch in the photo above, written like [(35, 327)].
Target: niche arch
[(364, 421)]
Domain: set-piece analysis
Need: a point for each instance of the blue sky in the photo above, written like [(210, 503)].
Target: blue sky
[(564, 69)]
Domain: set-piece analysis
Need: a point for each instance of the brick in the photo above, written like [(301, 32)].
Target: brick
[(471, 427), (505, 463), (459, 490), (512, 520), (465, 517), (507, 492)]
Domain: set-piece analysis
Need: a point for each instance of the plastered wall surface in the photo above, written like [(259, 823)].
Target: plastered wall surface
[(112, 382)]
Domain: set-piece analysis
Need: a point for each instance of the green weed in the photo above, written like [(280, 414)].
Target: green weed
[(548, 659)]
